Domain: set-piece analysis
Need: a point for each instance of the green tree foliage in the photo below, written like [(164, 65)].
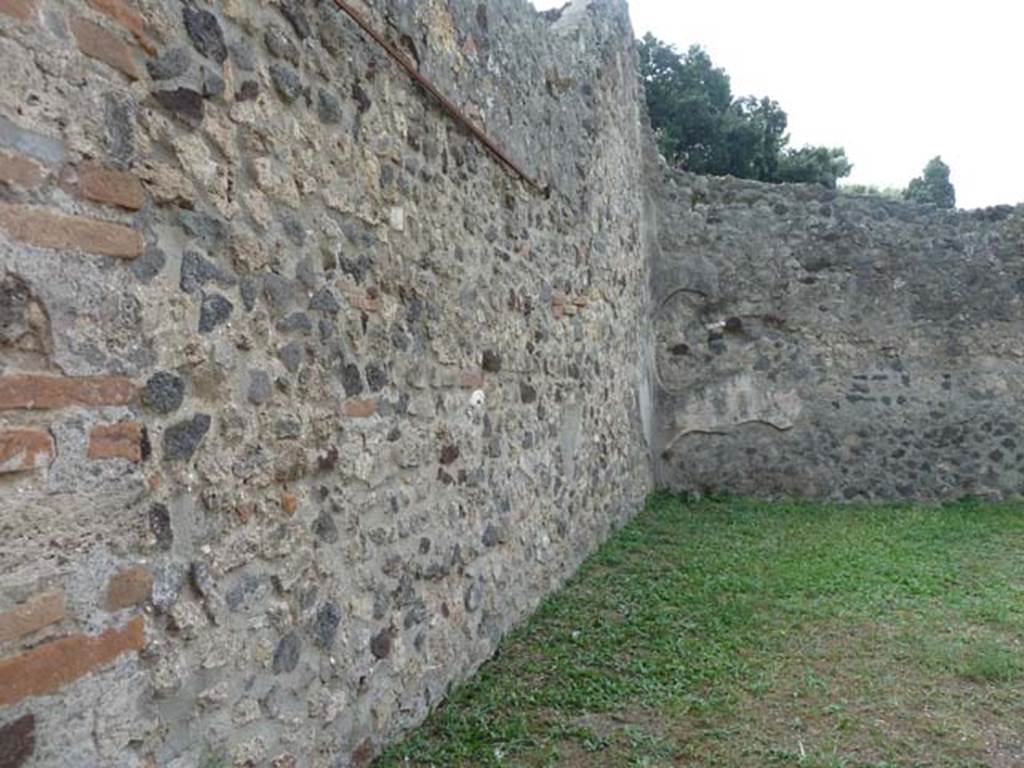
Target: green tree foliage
[(889, 193), (701, 127), (933, 186)]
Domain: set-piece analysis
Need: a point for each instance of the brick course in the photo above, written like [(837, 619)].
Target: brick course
[(47, 229), (50, 667)]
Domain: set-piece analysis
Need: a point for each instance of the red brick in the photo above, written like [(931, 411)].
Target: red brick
[(20, 171), (50, 667), (17, 741), (32, 393), (127, 17), (24, 10), (31, 616), (21, 450), (106, 185), (472, 380), (116, 441), (359, 409), (47, 229), (97, 43), (129, 587)]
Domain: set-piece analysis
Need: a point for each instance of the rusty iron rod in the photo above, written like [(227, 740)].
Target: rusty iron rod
[(447, 104)]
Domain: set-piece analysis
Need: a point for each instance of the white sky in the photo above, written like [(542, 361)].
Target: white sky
[(895, 82)]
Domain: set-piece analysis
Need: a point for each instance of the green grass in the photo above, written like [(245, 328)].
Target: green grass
[(747, 633)]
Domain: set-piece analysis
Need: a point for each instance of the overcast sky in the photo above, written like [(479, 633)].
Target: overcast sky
[(895, 82)]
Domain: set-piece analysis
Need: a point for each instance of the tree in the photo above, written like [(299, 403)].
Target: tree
[(933, 186), (702, 128), (813, 165)]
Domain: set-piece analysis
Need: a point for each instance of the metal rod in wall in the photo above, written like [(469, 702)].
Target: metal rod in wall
[(447, 104)]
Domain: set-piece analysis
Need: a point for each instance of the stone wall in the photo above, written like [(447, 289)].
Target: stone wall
[(304, 400), (822, 345)]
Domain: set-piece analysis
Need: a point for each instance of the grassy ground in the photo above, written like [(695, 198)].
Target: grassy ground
[(744, 633)]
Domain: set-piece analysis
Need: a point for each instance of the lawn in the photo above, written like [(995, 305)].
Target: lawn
[(750, 633)]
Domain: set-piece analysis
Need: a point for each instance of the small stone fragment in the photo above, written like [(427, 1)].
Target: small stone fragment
[(248, 91), (280, 45), (164, 392), (259, 387), (182, 439), (286, 656), (351, 380), (380, 645), (292, 355), (205, 32), (214, 311), (296, 17), (183, 103), (286, 81), (325, 301), (491, 362), (328, 107), (208, 230), (325, 528), (325, 626), (196, 272), (160, 526), (173, 63)]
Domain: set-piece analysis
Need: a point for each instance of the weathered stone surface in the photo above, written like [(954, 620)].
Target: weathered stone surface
[(309, 552), (18, 737), (287, 653), (46, 149), (214, 311), (325, 627), (164, 392), (834, 352), (182, 439), (160, 526), (259, 390), (287, 82), (205, 32), (171, 64), (281, 45), (184, 103)]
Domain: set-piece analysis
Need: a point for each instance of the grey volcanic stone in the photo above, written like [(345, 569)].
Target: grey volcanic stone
[(173, 63), (281, 45), (164, 392), (380, 644), (325, 626), (182, 439), (296, 16), (286, 655), (213, 312), (328, 107), (160, 526), (184, 103), (205, 32), (287, 82), (259, 387)]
